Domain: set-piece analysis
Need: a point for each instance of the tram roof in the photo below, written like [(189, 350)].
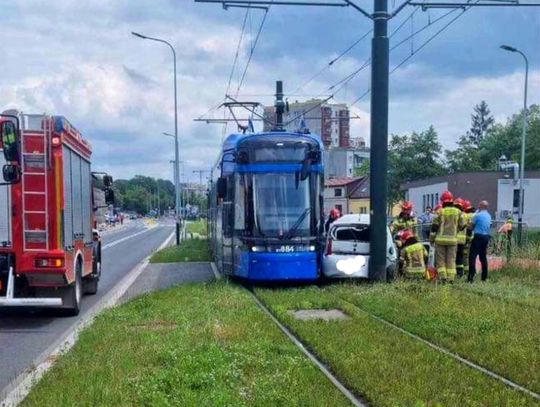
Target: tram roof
[(232, 141)]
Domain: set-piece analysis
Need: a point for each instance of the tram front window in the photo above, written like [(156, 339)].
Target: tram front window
[(281, 205)]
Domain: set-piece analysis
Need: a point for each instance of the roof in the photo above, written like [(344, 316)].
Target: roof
[(352, 219), (232, 141), (477, 175), (340, 182), (361, 191)]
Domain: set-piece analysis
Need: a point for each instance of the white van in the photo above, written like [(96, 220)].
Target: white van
[(347, 249)]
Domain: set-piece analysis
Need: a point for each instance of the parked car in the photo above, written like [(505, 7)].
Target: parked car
[(347, 249)]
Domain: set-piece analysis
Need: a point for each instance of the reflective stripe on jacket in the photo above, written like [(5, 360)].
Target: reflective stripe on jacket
[(402, 224), (414, 260), (447, 225)]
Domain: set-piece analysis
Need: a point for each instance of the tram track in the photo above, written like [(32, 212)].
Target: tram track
[(443, 350), (354, 397)]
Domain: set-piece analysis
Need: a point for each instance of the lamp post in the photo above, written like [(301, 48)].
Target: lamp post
[(523, 140), (177, 201), (177, 181)]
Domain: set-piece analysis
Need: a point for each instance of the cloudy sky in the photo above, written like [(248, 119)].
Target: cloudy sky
[(78, 59)]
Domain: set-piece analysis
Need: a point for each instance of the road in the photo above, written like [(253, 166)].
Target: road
[(26, 334)]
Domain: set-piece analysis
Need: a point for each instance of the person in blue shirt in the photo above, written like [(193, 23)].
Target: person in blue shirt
[(481, 229)]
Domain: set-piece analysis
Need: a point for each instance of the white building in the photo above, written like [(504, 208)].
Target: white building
[(497, 187)]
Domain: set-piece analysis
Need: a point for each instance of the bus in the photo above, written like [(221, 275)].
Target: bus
[(265, 206)]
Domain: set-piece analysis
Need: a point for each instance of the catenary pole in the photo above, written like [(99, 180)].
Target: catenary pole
[(380, 51)]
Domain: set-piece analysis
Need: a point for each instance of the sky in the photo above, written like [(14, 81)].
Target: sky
[(79, 60)]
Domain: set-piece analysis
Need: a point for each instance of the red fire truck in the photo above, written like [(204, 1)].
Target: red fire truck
[(50, 253)]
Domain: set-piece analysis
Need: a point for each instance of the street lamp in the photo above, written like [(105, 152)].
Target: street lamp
[(176, 172), (523, 140), (177, 201)]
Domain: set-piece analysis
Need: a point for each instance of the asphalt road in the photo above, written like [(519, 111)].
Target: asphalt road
[(26, 334)]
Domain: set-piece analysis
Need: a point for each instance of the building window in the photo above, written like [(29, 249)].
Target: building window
[(338, 192), (363, 210), (436, 198), (339, 208)]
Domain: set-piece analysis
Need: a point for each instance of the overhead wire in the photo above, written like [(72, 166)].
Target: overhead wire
[(417, 50), (237, 53), (331, 62), (252, 50)]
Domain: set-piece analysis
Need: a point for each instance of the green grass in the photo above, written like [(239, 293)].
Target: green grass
[(500, 335), (189, 250), (193, 345), (198, 226), (387, 367), (520, 285)]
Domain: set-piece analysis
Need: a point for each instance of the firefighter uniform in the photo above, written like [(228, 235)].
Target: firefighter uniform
[(413, 259), (444, 233), (460, 255), (467, 219), (400, 224)]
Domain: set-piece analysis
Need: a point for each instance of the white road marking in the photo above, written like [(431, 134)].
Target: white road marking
[(114, 243), (22, 385)]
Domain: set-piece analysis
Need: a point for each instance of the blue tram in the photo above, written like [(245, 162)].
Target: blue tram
[(265, 206)]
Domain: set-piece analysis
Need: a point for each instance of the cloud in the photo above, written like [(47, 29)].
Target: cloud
[(79, 59)]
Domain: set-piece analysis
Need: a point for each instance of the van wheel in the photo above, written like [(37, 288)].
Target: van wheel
[(73, 294), (90, 283), (390, 274)]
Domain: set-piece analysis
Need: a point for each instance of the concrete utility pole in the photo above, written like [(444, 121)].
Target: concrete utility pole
[(523, 141), (379, 101), (177, 194)]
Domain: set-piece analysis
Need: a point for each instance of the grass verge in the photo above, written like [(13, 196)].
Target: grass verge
[(500, 335), (519, 285), (193, 345), (198, 226), (387, 367), (188, 250)]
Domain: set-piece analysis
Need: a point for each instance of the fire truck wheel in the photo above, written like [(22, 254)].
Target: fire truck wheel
[(74, 294), (90, 283)]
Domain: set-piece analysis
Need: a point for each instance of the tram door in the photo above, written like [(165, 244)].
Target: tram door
[(228, 227)]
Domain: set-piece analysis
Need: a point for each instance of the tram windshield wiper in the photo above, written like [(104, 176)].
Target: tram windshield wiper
[(296, 224)]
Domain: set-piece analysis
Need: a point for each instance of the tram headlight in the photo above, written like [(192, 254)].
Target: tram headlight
[(257, 249), (312, 248)]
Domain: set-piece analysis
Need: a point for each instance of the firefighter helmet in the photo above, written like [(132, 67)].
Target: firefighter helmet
[(437, 208), (334, 213), (406, 206), (405, 235), (459, 203), (447, 197), (467, 205)]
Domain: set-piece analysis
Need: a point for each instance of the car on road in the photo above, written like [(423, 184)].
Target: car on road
[(347, 250)]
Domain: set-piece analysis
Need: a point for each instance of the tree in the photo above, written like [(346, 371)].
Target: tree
[(482, 121), (362, 170), (411, 158)]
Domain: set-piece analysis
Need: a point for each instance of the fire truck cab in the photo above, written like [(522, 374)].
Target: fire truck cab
[(50, 251)]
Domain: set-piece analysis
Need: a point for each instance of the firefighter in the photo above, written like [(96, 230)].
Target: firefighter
[(505, 231), (405, 219), (334, 215), (413, 256), (468, 213), (461, 240), (444, 231)]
